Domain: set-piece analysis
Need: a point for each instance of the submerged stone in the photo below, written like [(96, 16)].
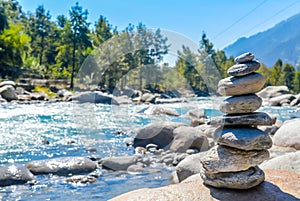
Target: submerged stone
[(62, 166), (13, 174)]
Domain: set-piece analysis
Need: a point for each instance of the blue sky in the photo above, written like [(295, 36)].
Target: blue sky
[(223, 21)]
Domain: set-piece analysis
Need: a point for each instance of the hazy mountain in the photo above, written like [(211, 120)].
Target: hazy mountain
[(281, 41)]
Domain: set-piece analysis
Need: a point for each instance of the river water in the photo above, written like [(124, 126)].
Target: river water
[(71, 129)]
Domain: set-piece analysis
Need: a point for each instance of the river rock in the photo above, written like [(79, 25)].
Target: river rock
[(279, 185), (273, 91), (288, 161), (241, 104), (226, 159), (189, 166), (245, 138), (13, 174), (160, 110), (246, 57), (159, 133), (8, 93), (243, 69), (255, 118), (288, 134), (120, 163), (279, 100), (197, 113), (247, 84), (94, 97), (186, 137), (235, 180), (81, 179), (62, 166), (8, 82), (148, 98)]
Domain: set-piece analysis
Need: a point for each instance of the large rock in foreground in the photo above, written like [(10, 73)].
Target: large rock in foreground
[(13, 174), (62, 166), (288, 135), (279, 185)]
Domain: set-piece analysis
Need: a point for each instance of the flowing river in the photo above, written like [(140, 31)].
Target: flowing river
[(47, 130)]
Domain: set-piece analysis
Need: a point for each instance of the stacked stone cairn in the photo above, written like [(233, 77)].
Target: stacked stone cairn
[(233, 163)]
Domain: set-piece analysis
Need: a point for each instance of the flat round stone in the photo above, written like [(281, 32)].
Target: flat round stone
[(248, 56), (241, 104), (247, 84), (235, 180), (245, 138), (226, 159), (244, 68), (251, 119)]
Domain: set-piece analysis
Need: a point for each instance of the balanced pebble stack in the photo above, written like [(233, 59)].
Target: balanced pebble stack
[(233, 163)]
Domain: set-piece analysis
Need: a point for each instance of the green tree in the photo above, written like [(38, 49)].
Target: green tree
[(40, 29), (288, 74), (276, 73), (80, 38), (102, 32), (186, 66), (14, 44), (3, 19), (296, 82)]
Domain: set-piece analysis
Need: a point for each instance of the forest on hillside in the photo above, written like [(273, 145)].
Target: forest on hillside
[(34, 45)]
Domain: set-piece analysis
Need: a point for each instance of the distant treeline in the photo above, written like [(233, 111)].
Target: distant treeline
[(55, 49)]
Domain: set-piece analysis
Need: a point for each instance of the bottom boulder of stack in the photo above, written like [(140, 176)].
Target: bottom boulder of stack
[(235, 180)]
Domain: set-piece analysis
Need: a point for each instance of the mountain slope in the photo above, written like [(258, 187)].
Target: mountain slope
[(281, 41)]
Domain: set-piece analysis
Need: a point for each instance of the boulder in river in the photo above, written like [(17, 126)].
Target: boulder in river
[(186, 137), (160, 110), (62, 166), (273, 91), (13, 174), (120, 163), (8, 92), (160, 133)]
